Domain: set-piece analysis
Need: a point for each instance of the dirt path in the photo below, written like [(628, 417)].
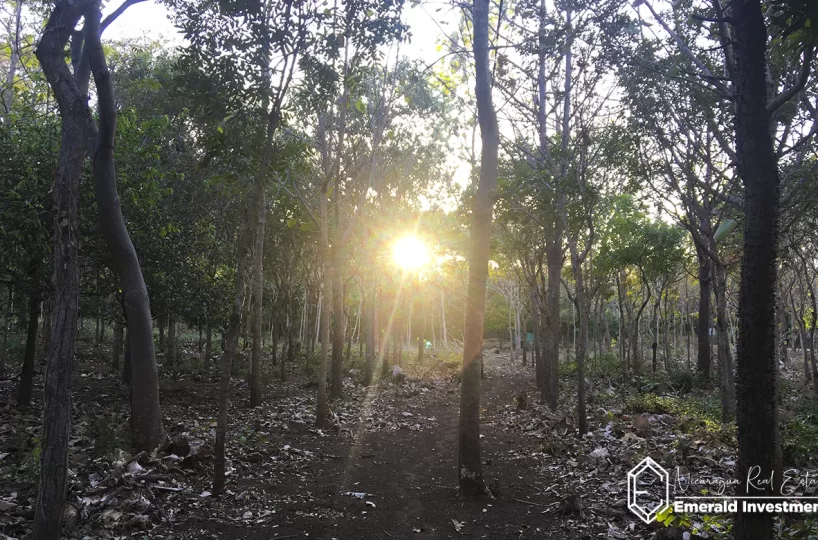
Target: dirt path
[(409, 478)]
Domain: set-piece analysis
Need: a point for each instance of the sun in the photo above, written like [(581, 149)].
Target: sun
[(409, 253)]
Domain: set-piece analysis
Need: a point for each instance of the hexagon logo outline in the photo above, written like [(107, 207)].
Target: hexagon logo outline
[(647, 465)]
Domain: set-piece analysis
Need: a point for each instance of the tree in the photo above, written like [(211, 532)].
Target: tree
[(469, 462), (758, 168)]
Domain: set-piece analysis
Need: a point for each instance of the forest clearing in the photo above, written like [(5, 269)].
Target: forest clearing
[(352, 269)]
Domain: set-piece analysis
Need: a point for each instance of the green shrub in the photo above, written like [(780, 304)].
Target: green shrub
[(682, 381), (648, 403), (604, 366)]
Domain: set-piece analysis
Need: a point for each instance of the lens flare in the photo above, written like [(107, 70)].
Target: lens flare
[(409, 253)]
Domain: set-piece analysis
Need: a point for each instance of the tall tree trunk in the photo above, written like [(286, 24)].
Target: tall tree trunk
[(469, 461), (444, 330), (348, 336), (539, 367), (725, 357), (8, 94), (231, 342), (620, 339), (322, 408), (421, 325), (290, 342), (581, 345), (703, 358), (258, 285), (208, 348), (170, 356), (782, 333), (655, 343), (5, 322), (370, 333), (810, 342), (26, 387), (162, 322), (758, 168), (146, 419), (76, 124)]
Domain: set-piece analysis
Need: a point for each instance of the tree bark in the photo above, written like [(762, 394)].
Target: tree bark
[(231, 342), (162, 321), (4, 340), (8, 94), (583, 306), (444, 330), (322, 407), (469, 461), (258, 285), (145, 411), (539, 367), (208, 348), (725, 357), (76, 123), (170, 356), (370, 333), (758, 168), (703, 334)]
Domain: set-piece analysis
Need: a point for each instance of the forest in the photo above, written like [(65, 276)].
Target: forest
[(350, 269)]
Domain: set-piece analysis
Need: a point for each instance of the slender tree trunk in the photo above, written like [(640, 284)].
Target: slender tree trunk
[(703, 358), (170, 356), (96, 331), (725, 357), (8, 94), (336, 388), (370, 333), (539, 368), (26, 387), (76, 124), (290, 342), (322, 408), (782, 336), (655, 343), (231, 342), (348, 335), (581, 344), (445, 331), (810, 343), (208, 348), (258, 283), (620, 291), (319, 309), (162, 321), (469, 460), (5, 322), (146, 419), (422, 323), (757, 371)]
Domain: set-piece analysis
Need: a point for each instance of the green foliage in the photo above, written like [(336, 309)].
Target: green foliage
[(799, 436), (649, 403)]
